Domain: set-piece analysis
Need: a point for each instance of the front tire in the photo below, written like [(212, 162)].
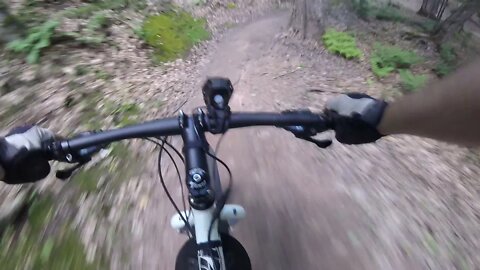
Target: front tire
[(236, 257)]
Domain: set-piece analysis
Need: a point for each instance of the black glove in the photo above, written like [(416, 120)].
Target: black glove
[(21, 155), (355, 117)]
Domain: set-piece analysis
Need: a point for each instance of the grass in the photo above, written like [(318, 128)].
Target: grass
[(173, 34), (411, 82), (387, 59), (341, 43), (28, 247), (231, 5)]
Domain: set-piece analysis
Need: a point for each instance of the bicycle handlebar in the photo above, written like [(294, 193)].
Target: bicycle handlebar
[(315, 123)]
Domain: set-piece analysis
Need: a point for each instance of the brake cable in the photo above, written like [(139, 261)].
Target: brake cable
[(162, 181), (221, 202)]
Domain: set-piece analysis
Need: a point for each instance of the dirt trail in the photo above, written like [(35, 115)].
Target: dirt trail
[(307, 208)]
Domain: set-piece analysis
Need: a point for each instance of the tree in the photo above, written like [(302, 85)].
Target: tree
[(309, 18), (433, 9), (454, 23)]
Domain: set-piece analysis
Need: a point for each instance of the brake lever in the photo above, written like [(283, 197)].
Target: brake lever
[(306, 133), (67, 173), (319, 143)]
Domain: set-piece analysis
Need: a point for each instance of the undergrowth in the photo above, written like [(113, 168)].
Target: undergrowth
[(389, 13), (29, 247), (362, 8), (86, 10), (38, 38), (447, 62), (387, 59), (411, 82), (341, 43), (366, 10), (172, 34)]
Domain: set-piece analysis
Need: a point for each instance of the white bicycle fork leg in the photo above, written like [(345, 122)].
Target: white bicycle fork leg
[(208, 257), (203, 220)]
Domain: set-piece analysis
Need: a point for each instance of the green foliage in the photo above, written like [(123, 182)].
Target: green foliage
[(411, 82), (29, 248), (386, 59), (81, 11), (389, 13), (139, 32), (447, 62), (379, 68), (447, 53), (341, 43), (366, 10), (428, 25), (92, 34), (99, 20), (38, 39), (172, 34), (231, 5), (363, 9)]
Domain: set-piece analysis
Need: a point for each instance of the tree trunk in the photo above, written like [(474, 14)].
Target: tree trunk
[(454, 23), (433, 9), (307, 18)]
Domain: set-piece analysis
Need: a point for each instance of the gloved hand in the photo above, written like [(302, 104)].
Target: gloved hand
[(21, 157), (355, 117)]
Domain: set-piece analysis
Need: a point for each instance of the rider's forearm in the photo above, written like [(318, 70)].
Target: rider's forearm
[(446, 110)]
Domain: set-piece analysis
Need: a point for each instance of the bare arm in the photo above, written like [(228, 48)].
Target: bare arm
[(447, 110)]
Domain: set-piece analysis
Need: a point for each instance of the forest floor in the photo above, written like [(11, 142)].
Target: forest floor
[(401, 203)]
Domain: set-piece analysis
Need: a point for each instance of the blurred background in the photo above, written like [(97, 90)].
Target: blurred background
[(71, 66)]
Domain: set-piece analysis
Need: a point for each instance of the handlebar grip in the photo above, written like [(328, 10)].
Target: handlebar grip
[(56, 150)]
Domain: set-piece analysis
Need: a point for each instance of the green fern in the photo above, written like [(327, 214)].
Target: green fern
[(387, 59), (341, 43), (38, 39), (379, 68), (411, 82)]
